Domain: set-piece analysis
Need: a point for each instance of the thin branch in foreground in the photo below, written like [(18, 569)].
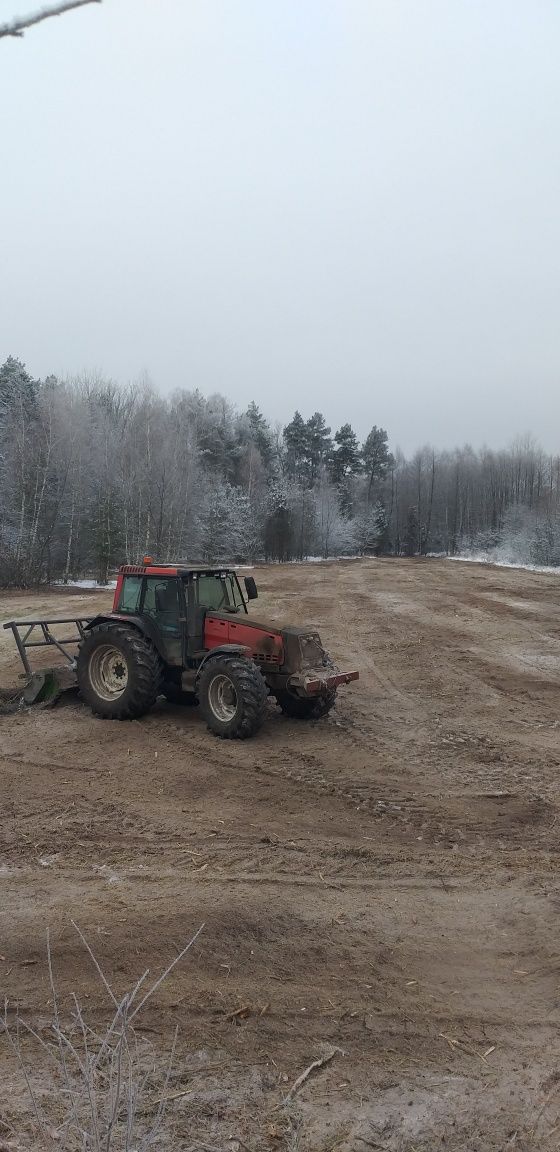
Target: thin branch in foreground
[(18, 25), (312, 1067), (99, 1094), (165, 974), (16, 1049), (96, 963)]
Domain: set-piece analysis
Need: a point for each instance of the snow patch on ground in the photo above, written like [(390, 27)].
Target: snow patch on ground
[(486, 558), (85, 584), (327, 559)]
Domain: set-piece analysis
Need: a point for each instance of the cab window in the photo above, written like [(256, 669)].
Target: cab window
[(219, 591), (235, 593), (210, 591), (161, 602), (130, 594)]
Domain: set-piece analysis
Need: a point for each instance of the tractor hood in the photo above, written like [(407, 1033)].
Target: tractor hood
[(271, 626), (291, 647)]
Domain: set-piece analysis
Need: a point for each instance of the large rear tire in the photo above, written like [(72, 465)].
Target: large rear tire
[(300, 708), (232, 695), (119, 672)]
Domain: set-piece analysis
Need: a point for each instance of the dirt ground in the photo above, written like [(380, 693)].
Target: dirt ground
[(384, 882)]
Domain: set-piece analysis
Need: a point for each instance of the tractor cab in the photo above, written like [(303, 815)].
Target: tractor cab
[(173, 602), (160, 589)]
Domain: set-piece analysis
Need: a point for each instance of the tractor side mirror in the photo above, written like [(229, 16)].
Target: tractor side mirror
[(251, 588)]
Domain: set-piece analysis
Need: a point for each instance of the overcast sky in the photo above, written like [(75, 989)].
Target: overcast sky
[(349, 205)]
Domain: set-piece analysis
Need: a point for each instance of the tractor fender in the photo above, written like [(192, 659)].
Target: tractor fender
[(223, 650), (144, 626)]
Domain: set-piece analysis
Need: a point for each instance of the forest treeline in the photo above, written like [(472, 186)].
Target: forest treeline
[(93, 474)]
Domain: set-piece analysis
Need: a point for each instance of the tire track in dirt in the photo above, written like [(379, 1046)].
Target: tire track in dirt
[(385, 882)]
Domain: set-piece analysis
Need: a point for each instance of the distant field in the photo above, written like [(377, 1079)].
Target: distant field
[(384, 881)]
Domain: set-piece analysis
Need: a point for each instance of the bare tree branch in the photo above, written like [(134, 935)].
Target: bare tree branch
[(17, 26)]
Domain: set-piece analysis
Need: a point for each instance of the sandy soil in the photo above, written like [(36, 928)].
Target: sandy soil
[(384, 882)]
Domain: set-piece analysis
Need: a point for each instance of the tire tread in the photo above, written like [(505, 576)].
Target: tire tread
[(146, 672), (298, 708), (250, 684)]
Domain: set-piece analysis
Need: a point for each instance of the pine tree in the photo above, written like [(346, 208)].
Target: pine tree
[(279, 524), (382, 531), (297, 446), (411, 533), (17, 388), (345, 458), (260, 433), (376, 456), (319, 445)]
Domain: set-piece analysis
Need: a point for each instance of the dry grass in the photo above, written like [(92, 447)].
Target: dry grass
[(96, 1090)]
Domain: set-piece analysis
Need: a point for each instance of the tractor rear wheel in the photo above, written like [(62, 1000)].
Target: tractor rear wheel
[(302, 708), (119, 672), (232, 695)]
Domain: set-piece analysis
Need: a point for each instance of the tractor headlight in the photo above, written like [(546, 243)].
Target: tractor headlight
[(312, 651)]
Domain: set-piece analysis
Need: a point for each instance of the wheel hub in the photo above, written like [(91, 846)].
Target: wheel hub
[(222, 698), (108, 672)]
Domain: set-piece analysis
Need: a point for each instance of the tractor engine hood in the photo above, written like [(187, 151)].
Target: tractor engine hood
[(291, 647)]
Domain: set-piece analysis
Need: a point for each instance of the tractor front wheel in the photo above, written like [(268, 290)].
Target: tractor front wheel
[(119, 672), (232, 695), (302, 708)]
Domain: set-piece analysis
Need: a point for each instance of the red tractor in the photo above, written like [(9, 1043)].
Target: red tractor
[(185, 633)]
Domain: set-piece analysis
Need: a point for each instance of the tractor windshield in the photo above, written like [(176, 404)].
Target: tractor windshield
[(219, 590)]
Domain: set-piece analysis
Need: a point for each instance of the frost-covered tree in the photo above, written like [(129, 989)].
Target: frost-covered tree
[(93, 475), (279, 524), (335, 533), (259, 433), (371, 531), (225, 529)]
